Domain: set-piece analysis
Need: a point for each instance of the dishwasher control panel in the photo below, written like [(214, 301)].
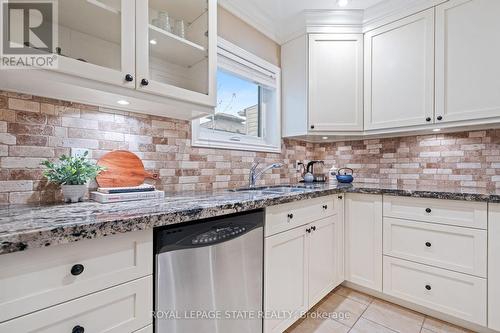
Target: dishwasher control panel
[(218, 234)]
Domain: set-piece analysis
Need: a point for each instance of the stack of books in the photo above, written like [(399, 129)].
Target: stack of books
[(118, 194)]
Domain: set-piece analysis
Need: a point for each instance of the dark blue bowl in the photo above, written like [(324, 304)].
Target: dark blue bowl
[(345, 179)]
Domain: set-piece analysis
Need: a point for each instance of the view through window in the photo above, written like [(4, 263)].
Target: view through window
[(239, 106)]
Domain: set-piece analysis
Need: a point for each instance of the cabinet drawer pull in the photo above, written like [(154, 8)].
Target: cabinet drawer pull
[(77, 270), (325, 207), (340, 197), (78, 329), (428, 210), (428, 244), (313, 228), (308, 230), (290, 216), (428, 287)]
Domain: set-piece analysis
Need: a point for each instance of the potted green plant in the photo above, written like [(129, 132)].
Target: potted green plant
[(72, 173)]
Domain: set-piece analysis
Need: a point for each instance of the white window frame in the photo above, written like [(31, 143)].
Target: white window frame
[(271, 124)]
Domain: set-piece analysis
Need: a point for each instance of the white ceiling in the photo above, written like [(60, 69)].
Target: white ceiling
[(276, 17), (290, 8)]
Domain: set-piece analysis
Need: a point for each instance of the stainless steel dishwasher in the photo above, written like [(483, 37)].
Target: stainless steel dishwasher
[(209, 276)]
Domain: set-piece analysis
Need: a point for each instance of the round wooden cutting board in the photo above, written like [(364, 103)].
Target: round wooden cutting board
[(123, 169)]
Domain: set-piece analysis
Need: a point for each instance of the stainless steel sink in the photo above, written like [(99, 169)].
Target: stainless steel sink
[(271, 189)]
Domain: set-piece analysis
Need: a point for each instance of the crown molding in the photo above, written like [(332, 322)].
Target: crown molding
[(334, 21), (392, 10), (326, 21)]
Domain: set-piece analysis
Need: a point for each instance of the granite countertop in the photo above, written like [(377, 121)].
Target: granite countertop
[(26, 227)]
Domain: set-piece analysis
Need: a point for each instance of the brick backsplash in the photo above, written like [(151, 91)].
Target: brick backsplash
[(33, 129), (467, 159)]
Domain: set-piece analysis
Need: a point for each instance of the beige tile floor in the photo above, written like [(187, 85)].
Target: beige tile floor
[(366, 314)]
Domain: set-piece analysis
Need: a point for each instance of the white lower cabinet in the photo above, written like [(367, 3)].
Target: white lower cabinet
[(285, 277), (363, 240), (441, 255), (35, 279), (450, 212), (459, 249), (460, 295), (97, 285), (435, 255), (301, 266), (325, 257), (494, 267), (125, 308)]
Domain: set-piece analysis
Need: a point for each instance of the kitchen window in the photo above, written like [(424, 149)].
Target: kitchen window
[(247, 114)]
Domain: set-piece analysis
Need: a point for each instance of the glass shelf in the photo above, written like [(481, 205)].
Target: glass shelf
[(178, 50)]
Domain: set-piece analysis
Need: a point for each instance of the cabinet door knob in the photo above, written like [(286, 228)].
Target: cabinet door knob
[(428, 287), (144, 82), (78, 329), (428, 119), (129, 78), (428, 244), (428, 210), (290, 216), (325, 207), (312, 126), (313, 228), (440, 118), (308, 230), (77, 269), (340, 197)]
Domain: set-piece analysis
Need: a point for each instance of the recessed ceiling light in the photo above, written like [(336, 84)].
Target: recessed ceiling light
[(342, 3), (325, 138), (123, 102), (153, 42), (436, 130)]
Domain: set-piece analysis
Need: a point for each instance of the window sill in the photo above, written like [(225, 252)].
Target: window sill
[(235, 145)]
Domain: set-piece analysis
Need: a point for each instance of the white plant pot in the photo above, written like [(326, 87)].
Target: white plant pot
[(73, 193)]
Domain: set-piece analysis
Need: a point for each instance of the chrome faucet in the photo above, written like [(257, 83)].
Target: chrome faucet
[(255, 175)]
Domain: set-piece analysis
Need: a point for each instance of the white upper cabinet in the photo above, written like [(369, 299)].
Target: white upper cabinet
[(322, 84), (467, 60), (96, 40), (335, 82), (399, 73), (159, 55), (294, 87), (176, 48)]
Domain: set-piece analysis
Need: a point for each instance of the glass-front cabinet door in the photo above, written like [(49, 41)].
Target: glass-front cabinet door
[(176, 48), (96, 40)]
